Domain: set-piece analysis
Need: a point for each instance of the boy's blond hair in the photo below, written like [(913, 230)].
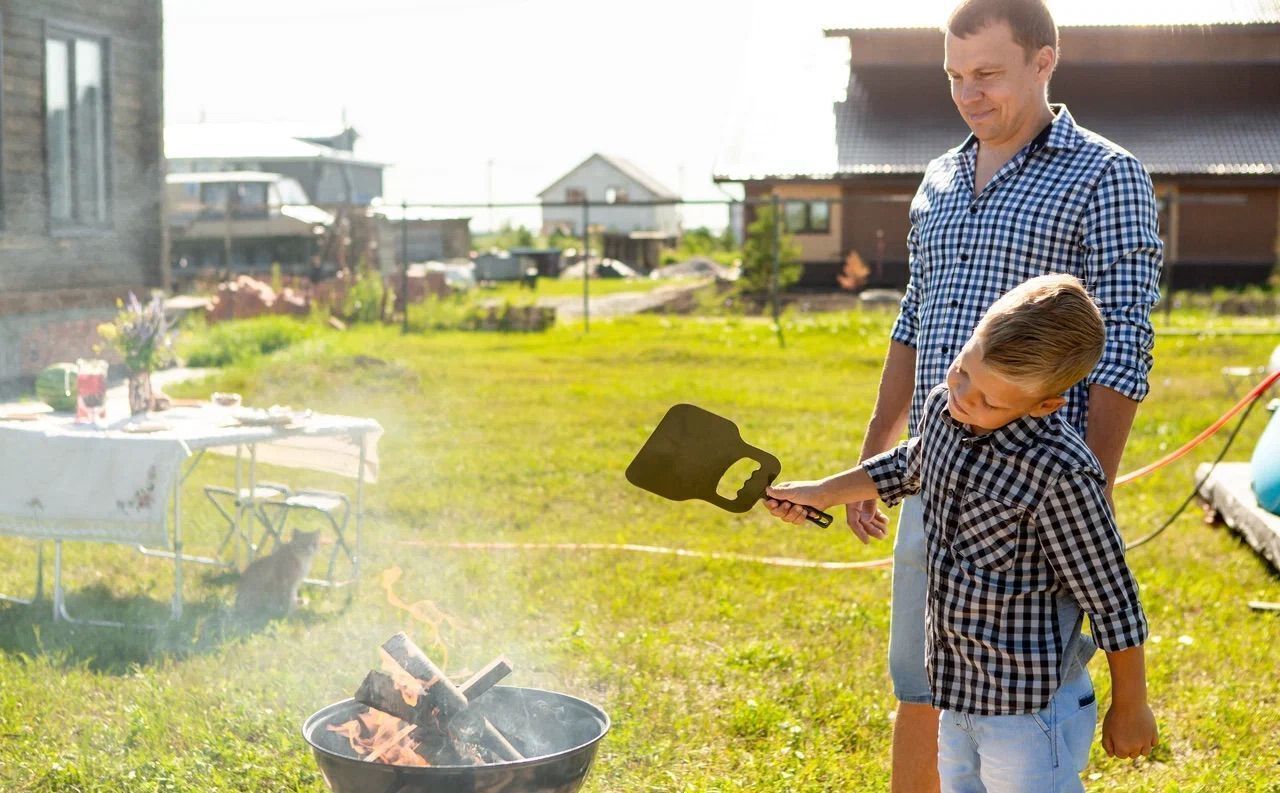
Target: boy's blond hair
[(1045, 335)]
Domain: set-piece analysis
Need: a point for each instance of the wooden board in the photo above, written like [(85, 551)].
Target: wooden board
[(1229, 492)]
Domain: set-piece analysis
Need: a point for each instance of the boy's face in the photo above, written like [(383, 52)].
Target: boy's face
[(985, 399)]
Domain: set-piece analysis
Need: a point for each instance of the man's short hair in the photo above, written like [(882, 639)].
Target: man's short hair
[(1045, 335), (1032, 24)]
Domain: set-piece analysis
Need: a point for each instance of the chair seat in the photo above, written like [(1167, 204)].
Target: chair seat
[(317, 501), (260, 493)]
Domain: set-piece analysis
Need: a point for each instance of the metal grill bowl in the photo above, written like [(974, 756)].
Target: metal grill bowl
[(557, 733)]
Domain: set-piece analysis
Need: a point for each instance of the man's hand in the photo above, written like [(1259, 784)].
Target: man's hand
[(1129, 731), (787, 500), (866, 521)]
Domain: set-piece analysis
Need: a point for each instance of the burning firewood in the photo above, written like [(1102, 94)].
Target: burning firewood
[(439, 709)]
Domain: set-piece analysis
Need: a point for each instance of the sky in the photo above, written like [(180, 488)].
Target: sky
[(493, 100)]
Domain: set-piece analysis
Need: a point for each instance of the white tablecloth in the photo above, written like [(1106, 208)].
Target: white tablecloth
[(61, 480)]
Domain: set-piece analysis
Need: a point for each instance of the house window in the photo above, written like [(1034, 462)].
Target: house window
[(807, 217), (616, 195), (575, 195), (76, 129)]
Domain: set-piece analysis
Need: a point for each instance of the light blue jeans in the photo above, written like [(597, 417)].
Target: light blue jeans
[(1042, 752), (906, 623)]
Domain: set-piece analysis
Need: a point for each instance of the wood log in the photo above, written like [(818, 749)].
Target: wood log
[(485, 679), (379, 691), (440, 691)]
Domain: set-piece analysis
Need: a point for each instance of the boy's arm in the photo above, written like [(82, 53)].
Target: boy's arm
[(1078, 534), (890, 476), (1129, 729)]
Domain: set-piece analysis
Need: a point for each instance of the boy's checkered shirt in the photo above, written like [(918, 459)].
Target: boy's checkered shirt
[(1070, 202), (1016, 521)]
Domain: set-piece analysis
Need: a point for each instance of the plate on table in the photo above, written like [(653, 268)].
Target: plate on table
[(274, 416), (145, 426)]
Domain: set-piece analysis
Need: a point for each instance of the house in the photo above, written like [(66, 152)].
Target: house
[(428, 236), (325, 165), (1198, 102), (240, 220), (635, 212), (82, 181)]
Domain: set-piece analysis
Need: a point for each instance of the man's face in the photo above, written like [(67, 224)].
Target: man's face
[(995, 87), (985, 399)]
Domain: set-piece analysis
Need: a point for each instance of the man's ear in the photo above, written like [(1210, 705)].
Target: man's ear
[(1046, 61), (1047, 406)]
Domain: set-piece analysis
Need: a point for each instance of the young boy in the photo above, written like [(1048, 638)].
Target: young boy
[(1021, 543)]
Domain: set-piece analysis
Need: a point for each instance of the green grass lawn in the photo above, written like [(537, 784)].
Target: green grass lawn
[(718, 675)]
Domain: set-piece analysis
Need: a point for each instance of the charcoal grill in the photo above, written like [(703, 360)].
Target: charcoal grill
[(558, 735)]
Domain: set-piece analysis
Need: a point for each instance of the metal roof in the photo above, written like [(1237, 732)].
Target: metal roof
[(251, 141), (1071, 13), (202, 177), (1187, 120)]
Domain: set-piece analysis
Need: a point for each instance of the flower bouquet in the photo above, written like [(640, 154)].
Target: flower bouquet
[(142, 336)]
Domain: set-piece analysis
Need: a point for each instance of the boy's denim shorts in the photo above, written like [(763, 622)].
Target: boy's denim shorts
[(906, 623), (1042, 752)]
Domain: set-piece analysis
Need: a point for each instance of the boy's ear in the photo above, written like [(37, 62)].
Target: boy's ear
[(1048, 405)]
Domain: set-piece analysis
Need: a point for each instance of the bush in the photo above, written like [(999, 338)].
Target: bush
[(240, 340), (367, 297)]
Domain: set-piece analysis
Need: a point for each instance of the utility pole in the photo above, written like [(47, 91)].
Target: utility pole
[(586, 263)]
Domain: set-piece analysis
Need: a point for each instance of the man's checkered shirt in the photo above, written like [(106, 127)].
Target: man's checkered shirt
[(1016, 523), (1070, 202)]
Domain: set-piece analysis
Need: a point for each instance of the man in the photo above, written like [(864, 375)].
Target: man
[(1028, 193)]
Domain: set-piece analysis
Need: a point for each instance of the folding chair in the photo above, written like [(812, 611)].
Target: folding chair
[(333, 507), (240, 509)]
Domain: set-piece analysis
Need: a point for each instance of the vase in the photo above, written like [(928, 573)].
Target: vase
[(140, 398)]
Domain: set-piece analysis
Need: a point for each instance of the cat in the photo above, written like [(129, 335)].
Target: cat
[(269, 586)]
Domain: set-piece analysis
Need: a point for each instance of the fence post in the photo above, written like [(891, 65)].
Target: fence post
[(404, 264), (777, 268), (586, 264)]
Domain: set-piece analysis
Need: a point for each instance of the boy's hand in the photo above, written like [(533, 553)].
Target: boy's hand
[(866, 521), (787, 500), (1129, 731)]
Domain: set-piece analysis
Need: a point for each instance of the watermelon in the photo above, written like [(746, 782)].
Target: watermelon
[(56, 386)]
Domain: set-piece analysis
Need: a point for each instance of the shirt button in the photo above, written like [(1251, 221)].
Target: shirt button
[(973, 210), (964, 257), (946, 349), (955, 303)]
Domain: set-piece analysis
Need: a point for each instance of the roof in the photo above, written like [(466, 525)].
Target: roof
[(251, 141), (222, 176), (1072, 13), (894, 121), (627, 168)]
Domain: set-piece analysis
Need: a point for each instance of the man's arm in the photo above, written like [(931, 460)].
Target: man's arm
[(1122, 268), (1110, 419), (893, 401)]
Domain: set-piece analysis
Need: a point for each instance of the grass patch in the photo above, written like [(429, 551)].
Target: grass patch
[(524, 438)]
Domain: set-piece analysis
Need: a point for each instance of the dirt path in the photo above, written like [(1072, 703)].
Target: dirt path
[(620, 303)]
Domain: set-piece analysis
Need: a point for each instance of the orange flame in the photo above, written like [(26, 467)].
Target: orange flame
[(380, 737), (377, 736), (424, 611)]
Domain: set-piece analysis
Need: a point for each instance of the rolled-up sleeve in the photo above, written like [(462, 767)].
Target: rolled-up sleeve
[(1123, 258), (907, 326), (896, 473), (1078, 536)]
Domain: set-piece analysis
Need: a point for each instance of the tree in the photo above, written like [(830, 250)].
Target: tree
[(757, 257)]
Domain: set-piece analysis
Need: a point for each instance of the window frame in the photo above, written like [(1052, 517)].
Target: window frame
[(807, 227), (70, 33)]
